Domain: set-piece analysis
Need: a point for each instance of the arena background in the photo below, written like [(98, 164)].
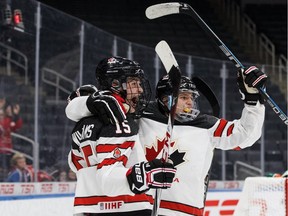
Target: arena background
[(58, 44)]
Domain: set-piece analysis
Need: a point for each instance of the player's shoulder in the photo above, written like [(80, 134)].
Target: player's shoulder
[(203, 121), (151, 108), (130, 120), (153, 112)]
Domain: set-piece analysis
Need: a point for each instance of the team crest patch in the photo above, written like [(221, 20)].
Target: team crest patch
[(111, 61), (117, 153)]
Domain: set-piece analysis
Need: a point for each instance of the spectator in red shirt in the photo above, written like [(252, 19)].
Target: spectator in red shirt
[(10, 121)]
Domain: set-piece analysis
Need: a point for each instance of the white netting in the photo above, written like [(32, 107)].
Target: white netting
[(263, 196)]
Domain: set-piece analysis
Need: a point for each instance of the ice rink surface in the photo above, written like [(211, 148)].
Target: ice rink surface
[(60, 206)]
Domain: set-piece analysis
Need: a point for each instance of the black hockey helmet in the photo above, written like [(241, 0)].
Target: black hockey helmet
[(164, 88), (112, 74), (83, 90)]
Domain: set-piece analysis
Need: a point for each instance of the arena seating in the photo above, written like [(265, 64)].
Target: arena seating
[(274, 25), (185, 37)]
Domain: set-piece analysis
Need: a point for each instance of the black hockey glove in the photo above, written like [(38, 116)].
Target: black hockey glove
[(153, 174), (83, 90), (106, 107), (249, 80)]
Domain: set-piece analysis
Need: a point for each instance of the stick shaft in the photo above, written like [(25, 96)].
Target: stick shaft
[(164, 9), (187, 9), (171, 66)]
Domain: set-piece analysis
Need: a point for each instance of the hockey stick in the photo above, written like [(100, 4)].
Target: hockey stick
[(171, 66), (204, 88), (163, 9)]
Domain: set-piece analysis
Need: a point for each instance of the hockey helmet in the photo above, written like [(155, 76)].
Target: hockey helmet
[(112, 74), (164, 88)]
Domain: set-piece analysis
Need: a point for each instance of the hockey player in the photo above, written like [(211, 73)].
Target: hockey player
[(112, 172), (195, 136)]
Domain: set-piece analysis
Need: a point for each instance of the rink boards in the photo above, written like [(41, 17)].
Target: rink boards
[(56, 198)]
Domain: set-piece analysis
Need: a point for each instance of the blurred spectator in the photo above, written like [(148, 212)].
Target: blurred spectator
[(10, 121), (274, 175), (42, 176), (20, 171), (71, 176), (66, 176), (63, 176)]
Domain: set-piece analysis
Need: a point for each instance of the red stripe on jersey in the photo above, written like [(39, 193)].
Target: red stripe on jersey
[(212, 203), (75, 160), (104, 148), (230, 129), (110, 161), (94, 200), (181, 208), (230, 203), (87, 153), (219, 130), (226, 212)]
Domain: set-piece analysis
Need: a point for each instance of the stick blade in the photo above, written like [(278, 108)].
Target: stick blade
[(204, 88), (163, 9), (172, 68), (166, 55)]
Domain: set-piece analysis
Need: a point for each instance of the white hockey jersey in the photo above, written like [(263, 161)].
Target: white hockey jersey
[(100, 156), (192, 151)]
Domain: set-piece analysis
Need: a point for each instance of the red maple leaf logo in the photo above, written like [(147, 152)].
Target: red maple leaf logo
[(117, 153), (151, 153)]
